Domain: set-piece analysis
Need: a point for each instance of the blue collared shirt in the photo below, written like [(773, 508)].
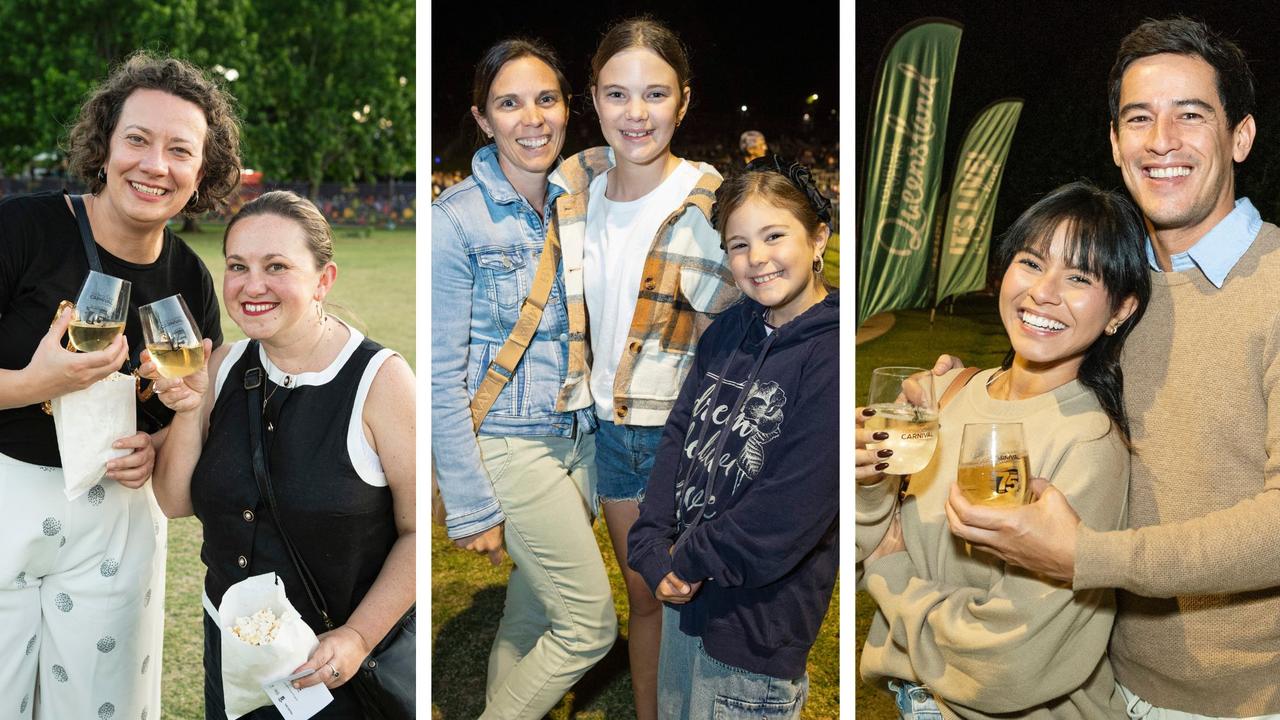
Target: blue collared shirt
[(1220, 248)]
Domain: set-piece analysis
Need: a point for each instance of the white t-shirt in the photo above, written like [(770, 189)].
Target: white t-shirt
[(619, 236)]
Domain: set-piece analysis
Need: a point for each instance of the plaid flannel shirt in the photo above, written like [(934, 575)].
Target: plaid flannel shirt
[(686, 283)]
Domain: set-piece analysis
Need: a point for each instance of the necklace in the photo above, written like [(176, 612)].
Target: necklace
[(995, 375), (288, 378)]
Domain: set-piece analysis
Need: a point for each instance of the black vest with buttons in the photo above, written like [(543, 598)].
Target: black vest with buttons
[(342, 526)]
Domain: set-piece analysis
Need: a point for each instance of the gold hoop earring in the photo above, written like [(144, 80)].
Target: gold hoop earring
[(817, 265)]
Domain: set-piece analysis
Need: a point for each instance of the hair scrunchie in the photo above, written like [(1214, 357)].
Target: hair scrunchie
[(799, 176)]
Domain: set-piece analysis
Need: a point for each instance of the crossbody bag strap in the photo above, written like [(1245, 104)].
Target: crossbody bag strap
[(253, 379), (95, 264), (86, 232), (956, 385), (503, 366)]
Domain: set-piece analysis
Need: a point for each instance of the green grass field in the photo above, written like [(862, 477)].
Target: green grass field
[(972, 332), (466, 602), (376, 283)]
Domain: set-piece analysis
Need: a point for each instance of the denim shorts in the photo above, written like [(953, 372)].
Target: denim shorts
[(624, 457), (915, 702)]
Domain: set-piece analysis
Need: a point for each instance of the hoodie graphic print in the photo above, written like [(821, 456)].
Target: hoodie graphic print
[(758, 423)]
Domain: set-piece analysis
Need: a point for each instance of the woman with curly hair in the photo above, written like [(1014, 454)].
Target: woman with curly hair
[(83, 579)]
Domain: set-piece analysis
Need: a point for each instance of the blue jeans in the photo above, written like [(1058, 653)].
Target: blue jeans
[(624, 457), (915, 702), (693, 685), (1140, 709)]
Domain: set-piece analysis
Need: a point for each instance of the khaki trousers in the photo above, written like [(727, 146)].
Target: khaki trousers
[(558, 618)]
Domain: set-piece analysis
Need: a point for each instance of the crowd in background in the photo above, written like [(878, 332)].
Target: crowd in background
[(372, 205)]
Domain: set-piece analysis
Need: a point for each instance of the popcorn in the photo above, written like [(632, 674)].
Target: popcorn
[(259, 629)]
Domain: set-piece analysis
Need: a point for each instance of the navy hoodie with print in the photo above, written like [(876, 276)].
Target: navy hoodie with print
[(745, 489)]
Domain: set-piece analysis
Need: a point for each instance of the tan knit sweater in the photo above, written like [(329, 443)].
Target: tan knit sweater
[(985, 638), (1201, 378)]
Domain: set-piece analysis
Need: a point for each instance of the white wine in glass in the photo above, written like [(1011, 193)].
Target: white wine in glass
[(172, 337), (993, 467), (907, 409), (99, 313)]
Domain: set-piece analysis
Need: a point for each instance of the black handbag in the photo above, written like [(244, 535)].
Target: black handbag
[(384, 685)]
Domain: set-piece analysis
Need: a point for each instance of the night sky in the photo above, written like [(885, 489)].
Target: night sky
[(769, 62), (1057, 56)]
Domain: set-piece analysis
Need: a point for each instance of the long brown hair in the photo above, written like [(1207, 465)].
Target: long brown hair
[(643, 32)]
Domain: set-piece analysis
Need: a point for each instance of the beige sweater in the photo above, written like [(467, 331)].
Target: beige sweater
[(1202, 391), (985, 638)]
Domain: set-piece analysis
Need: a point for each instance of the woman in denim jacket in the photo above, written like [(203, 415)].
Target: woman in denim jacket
[(528, 479)]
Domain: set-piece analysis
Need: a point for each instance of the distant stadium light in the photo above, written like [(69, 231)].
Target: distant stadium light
[(744, 108), (812, 99)]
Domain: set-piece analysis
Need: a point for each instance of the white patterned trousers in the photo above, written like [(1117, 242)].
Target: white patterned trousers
[(81, 598)]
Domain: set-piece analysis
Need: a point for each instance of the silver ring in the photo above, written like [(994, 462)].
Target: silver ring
[(333, 672)]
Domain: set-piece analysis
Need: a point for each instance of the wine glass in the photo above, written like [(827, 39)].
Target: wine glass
[(172, 337), (99, 313), (993, 466), (907, 409)]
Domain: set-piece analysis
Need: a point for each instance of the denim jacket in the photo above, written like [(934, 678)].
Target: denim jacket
[(486, 241)]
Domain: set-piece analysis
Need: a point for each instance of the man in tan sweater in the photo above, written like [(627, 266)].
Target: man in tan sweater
[(1197, 631)]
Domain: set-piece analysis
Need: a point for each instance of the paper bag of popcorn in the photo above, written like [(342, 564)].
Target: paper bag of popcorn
[(263, 639), (87, 422)]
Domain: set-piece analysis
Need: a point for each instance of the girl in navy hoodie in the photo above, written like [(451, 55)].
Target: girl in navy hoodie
[(738, 533)]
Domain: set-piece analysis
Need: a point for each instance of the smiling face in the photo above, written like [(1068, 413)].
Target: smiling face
[(1052, 310), (771, 257), (526, 115), (1174, 147), (639, 100), (156, 157), (271, 283)]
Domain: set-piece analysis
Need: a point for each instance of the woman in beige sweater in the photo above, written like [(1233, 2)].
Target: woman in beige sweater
[(957, 633)]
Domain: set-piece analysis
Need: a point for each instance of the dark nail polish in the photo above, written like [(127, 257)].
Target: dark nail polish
[(868, 412), (880, 435), (881, 467), (884, 453)]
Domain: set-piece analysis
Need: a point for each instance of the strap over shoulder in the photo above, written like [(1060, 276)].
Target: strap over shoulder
[(954, 388), (503, 366)]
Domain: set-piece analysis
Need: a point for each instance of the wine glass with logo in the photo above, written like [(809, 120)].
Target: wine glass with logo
[(993, 466), (907, 409), (172, 337), (99, 313)]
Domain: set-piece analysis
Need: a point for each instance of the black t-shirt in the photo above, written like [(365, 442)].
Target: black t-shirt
[(42, 262)]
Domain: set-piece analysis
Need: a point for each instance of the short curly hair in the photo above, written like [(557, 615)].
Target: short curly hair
[(89, 141)]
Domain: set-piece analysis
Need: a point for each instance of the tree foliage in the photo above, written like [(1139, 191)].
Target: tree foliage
[(332, 91), (325, 89)]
